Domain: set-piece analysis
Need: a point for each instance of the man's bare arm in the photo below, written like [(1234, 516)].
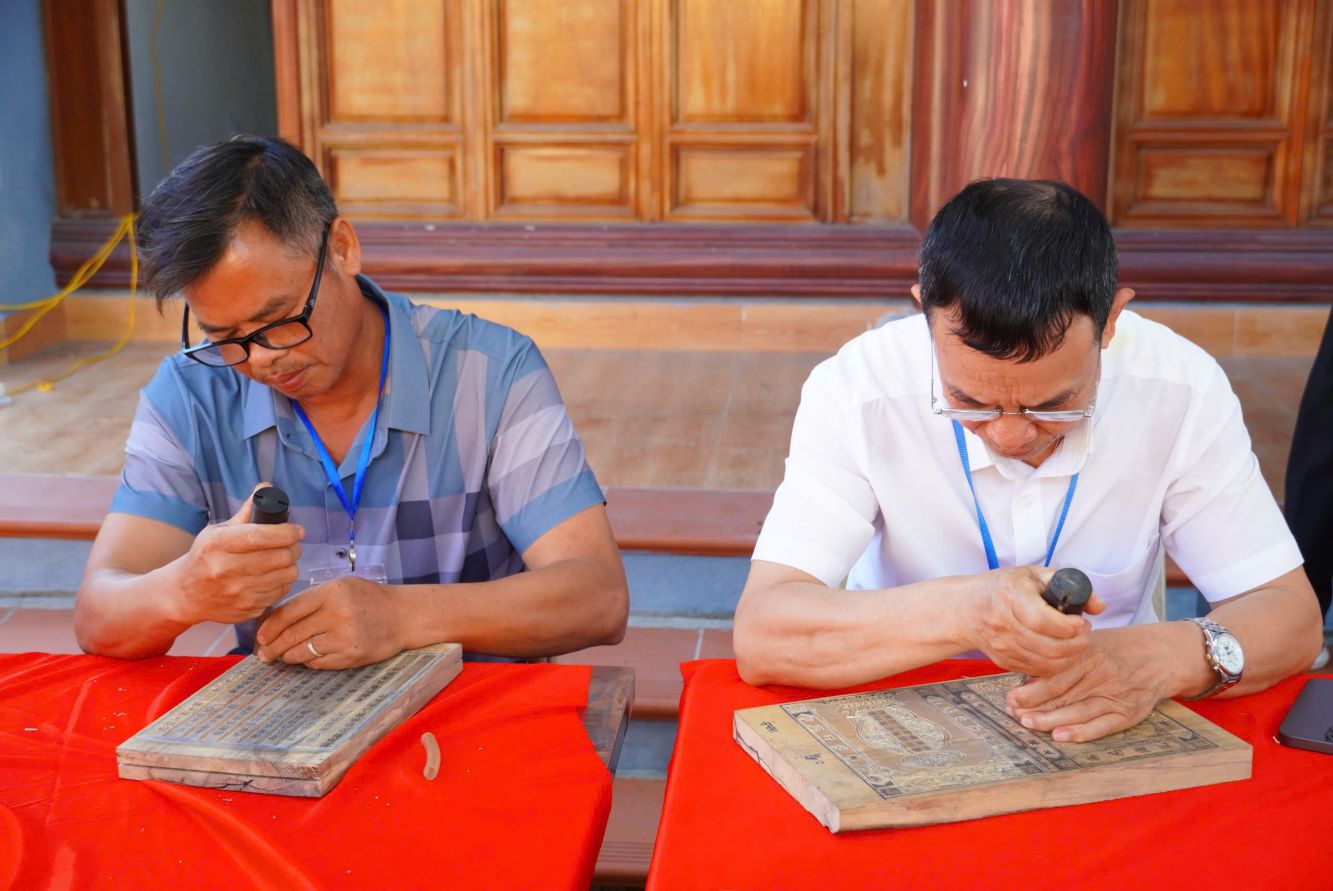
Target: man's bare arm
[(791, 628), (1127, 671), (148, 581), (572, 596), (1279, 627)]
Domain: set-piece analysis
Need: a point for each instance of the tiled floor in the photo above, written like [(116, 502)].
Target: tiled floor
[(655, 655), (34, 630), (705, 419)]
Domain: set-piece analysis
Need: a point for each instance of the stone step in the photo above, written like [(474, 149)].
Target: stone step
[(655, 654), (627, 847)]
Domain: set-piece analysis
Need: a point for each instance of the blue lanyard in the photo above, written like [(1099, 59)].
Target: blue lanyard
[(331, 469), (991, 560)]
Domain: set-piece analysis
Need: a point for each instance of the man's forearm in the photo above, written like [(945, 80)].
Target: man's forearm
[(1279, 628), (127, 615), (559, 608), (808, 634)]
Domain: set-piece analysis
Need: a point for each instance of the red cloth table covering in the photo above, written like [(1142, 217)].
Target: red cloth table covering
[(521, 799), (727, 824)]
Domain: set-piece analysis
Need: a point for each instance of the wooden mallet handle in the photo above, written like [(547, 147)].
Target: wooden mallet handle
[(268, 508)]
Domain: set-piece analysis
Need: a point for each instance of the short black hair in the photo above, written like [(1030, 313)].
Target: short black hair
[(187, 222), (1019, 258)]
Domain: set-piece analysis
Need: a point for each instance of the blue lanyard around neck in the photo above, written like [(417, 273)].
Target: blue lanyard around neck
[(363, 462), (991, 560)]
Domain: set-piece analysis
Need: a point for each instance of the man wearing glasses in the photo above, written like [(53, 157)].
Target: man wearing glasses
[(944, 465), (437, 489)]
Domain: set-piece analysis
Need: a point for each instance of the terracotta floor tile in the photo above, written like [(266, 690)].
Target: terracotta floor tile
[(648, 418), (655, 655), (716, 644), (1288, 331), (1269, 421), (756, 427), (1213, 328), (204, 639), (54, 432), (627, 847), (1283, 378), (27, 630)]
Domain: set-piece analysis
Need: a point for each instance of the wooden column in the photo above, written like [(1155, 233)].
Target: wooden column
[(90, 119), (1016, 88)]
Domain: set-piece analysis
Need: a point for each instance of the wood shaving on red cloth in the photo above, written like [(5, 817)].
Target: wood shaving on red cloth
[(521, 800), (728, 824)]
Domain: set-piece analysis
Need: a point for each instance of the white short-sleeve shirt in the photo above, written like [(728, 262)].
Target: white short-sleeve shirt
[(875, 493)]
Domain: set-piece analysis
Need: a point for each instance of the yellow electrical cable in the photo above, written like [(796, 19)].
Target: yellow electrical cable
[(81, 277)]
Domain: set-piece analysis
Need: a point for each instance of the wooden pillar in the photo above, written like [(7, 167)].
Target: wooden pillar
[(91, 134), (1018, 88)]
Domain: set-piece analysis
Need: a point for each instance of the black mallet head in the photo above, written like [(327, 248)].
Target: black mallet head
[(1068, 591), (269, 506)]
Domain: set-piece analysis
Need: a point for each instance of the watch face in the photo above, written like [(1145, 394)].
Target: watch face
[(1228, 653)]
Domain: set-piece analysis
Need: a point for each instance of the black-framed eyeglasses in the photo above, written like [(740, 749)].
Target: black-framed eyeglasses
[(993, 414), (280, 335)]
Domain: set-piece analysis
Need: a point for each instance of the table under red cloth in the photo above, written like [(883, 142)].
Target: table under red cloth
[(521, 799), (727, 824)]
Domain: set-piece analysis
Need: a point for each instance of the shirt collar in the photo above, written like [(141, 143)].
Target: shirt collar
[(406, 393), (259, 412)]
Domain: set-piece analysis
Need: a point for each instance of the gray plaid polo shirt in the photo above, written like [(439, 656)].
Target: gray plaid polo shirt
[(473, 459)]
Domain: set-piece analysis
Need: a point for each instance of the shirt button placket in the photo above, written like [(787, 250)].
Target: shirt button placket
[(1029, 528)]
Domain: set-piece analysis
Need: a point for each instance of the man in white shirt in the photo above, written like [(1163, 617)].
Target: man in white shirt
[(946, 464)]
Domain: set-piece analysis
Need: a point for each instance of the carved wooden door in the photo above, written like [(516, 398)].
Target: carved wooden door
[(602, 110), (1223, 113)]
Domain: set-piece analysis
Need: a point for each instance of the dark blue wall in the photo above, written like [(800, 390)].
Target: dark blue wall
[(217, 77), (27, 185)]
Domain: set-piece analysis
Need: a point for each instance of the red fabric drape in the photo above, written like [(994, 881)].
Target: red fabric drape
[(727, 824), (521, 799)]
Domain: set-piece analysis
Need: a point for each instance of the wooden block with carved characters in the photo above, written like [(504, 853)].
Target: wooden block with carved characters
[(285, 729), (937, 753)]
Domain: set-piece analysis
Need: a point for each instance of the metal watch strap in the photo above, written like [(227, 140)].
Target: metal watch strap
[(1224, 681)]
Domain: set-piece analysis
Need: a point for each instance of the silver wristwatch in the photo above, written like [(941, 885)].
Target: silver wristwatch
[(1224, 655)]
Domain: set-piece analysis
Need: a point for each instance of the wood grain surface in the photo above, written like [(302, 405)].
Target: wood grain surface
[(938, 753)]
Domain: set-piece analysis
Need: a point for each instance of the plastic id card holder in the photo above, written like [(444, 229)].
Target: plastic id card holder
[(371, 572), (1309, 724)]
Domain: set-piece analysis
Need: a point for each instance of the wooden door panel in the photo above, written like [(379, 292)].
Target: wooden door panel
[(551, 179), (370, 182), (878, 79), (769, 183), (1324, 209), (616, 110), (1208, 131), (383, 106), (1230, 180), (1317, 195), (563, 109), (564, 62), (389, 61), (1217, 66), (746, 139), (743, 62)]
